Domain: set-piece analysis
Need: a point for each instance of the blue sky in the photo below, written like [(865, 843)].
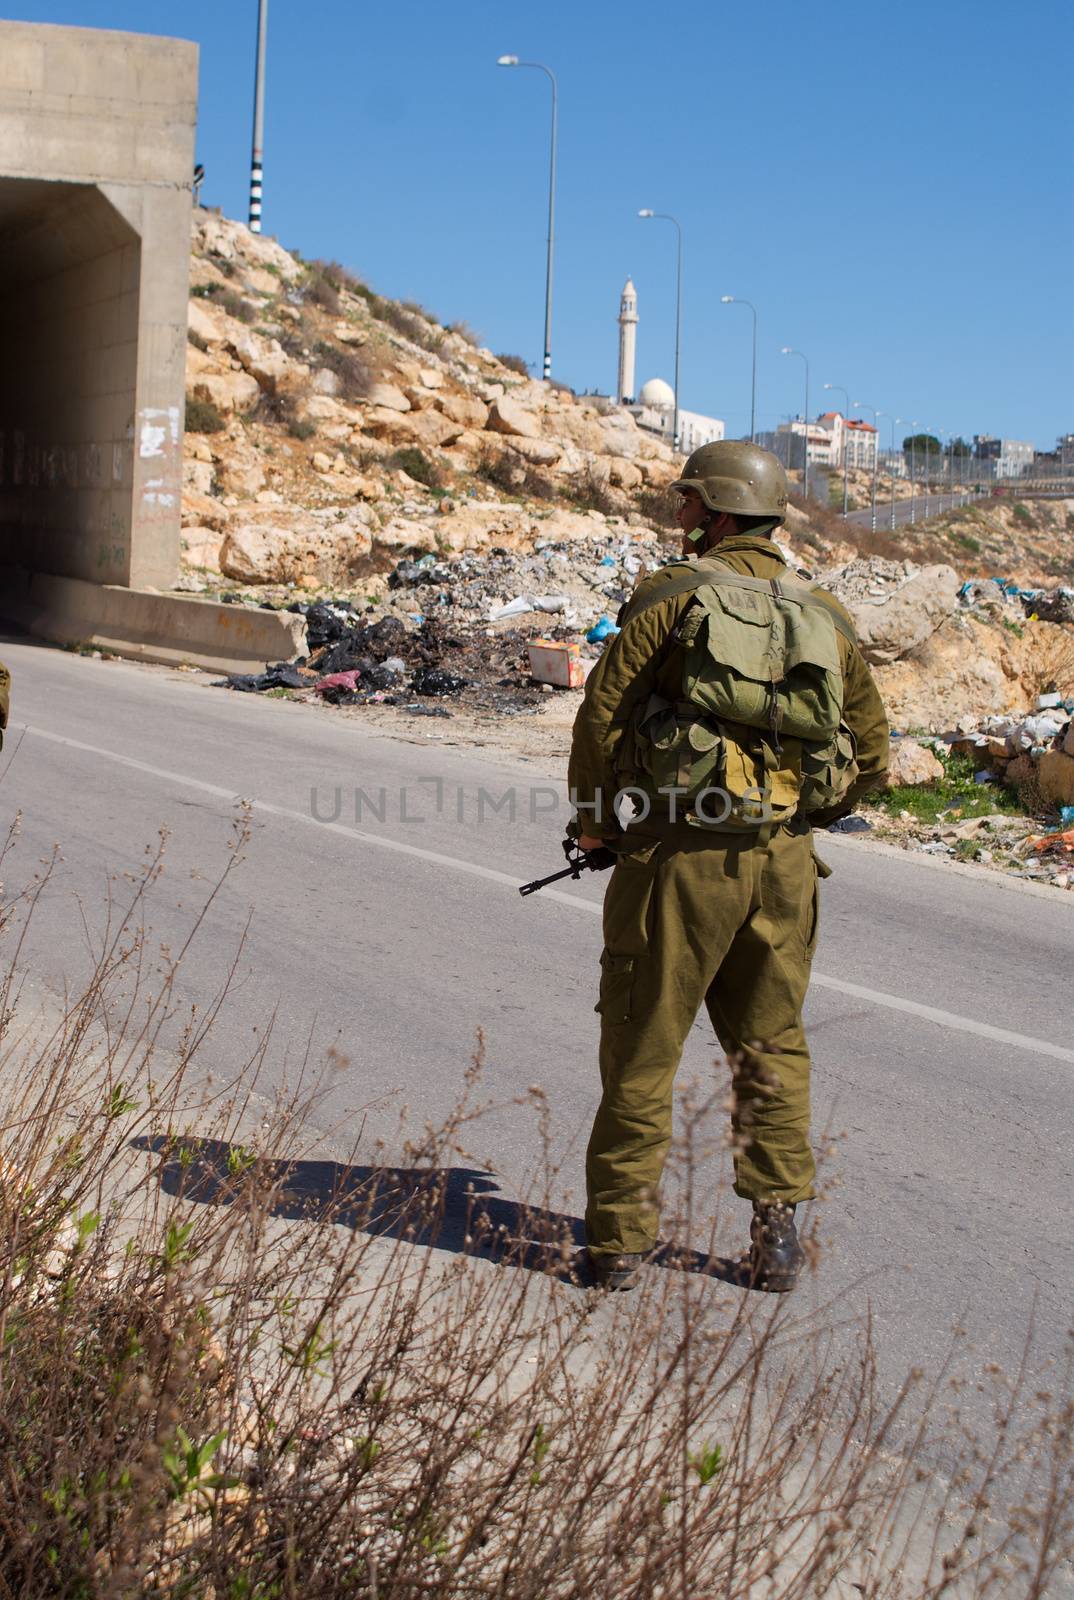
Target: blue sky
[(890, 185)]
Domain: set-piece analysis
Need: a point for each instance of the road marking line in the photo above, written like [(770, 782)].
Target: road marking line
[(857, 991)]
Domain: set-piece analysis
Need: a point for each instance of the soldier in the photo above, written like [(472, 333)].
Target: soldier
[(736, 705)]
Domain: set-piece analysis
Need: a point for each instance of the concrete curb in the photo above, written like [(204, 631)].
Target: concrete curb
[(173, 629)]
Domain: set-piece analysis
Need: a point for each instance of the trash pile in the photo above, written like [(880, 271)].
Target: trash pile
[(1032, 755), (1002, 597), (464, 629), (577, 581)]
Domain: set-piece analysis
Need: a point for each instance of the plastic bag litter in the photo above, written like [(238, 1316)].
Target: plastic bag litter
[(347, 681), (852, 824), (282, 676), (326, 620), (434, 680), (602, 629)]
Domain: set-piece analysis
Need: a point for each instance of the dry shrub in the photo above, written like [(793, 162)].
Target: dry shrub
[(203, 416), (590, 490), (1052, 666), (356, 376), (515, 364), (657, 506), (417, 465), (232, 1368)]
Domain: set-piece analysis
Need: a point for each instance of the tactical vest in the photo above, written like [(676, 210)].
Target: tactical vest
[(758, 733)]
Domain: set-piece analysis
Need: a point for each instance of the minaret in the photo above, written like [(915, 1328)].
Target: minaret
[(628, 333)]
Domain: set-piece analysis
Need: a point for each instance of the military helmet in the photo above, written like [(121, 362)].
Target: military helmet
[(734, 475)]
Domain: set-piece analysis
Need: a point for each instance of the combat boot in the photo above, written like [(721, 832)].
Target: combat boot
[(615, 1271), (776, 1258)]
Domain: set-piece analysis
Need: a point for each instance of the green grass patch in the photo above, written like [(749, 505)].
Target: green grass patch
[(956, 793)]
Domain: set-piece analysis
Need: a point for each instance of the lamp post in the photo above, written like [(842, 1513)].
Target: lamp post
[(859, 405), (513, 61), (736, 300), (925, 485), (846, 441), (893, 421), (257, 153), (664, 216), (913, 426), (787, 350)]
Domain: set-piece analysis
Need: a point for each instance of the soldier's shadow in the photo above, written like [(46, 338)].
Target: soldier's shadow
[(456, 1209)]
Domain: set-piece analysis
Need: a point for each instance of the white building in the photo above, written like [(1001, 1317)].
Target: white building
[(850, 434), (628, 333), (654, 406), (654, 410), (820, 441)]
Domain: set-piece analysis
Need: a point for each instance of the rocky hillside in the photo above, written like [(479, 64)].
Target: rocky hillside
[(335, 437), (330, 432)]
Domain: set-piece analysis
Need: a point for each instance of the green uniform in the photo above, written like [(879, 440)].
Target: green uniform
[(696, 916), (5, 698)]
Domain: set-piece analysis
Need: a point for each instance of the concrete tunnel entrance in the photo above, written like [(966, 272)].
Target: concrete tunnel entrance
[(69, 289), (96, 166)]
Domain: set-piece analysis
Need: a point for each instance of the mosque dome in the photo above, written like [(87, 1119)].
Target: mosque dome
[(658, 394)]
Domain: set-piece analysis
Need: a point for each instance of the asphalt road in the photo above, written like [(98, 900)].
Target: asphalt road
[(939, 1019), (933, 507)]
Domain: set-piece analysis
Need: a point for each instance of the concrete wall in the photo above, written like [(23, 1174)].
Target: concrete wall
[(96, 159)]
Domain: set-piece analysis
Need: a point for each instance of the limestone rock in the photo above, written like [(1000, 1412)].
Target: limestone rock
[(203, 510), (263, 359), (624, 474), (201, 322), (464, 409), (619, 432), (265, 546), (905, 618), (911, 763), (228, 391), (506, 416), (325, 381), (198, 477), (243, 475), (388, 398), (1055, 774), (200, 547), (540, 452)]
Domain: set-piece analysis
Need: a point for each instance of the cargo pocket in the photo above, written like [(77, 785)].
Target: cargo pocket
[(616, 986)]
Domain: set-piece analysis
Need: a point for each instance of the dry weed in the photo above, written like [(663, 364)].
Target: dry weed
[(233, 1368)]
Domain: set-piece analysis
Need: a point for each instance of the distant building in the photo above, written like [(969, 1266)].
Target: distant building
[(654, 410), (1012, 457), (850, 436), (654, 407), (1064, 447)]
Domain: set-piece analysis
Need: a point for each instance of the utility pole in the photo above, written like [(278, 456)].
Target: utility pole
[(860, 405), (665, 216), (846, 439), (788, 350), (257, 156), (539, 66), (735, 300)]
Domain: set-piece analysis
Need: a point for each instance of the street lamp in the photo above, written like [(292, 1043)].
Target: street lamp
[(786, 350), (664, 216), (513, 61), (257, 153), (846, 440), (913, 426), (736, 300), (893, 421), (859, 405)]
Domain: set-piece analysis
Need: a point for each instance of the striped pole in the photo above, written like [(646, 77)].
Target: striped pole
[(259, 119)]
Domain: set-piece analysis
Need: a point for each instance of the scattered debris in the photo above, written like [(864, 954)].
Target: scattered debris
[(282, 676)]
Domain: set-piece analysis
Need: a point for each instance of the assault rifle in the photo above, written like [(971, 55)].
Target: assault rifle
[(579, 861)]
